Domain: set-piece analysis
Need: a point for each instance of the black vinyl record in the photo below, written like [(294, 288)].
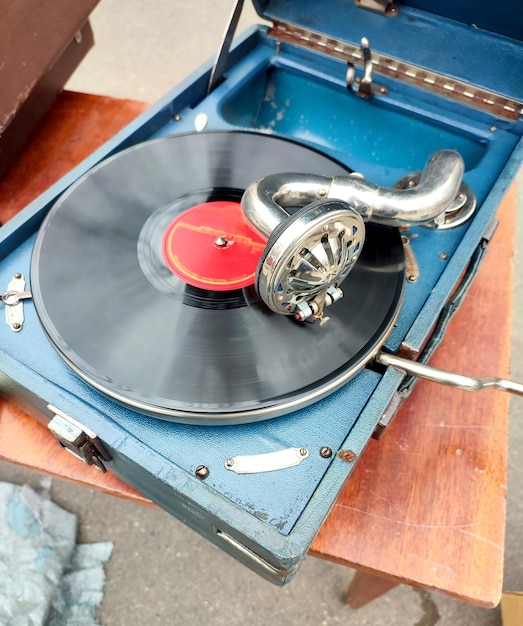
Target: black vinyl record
[(180, 349)]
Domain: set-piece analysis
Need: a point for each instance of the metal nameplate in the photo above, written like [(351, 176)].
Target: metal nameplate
[(268, 462)]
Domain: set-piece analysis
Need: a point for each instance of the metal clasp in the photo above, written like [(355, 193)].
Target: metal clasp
[(13, 300), (363, 86), (411, 265), (79, 440), (383, 7)]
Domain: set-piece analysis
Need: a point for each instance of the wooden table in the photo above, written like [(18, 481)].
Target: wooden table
[(426, 503)]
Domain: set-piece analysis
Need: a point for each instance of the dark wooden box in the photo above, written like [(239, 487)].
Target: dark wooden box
[(41, 44)]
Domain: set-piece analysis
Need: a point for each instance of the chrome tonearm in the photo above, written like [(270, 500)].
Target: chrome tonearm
[(310, 252)]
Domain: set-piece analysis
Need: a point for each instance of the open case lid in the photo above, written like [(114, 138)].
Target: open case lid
[(504, 18), (476, 42)]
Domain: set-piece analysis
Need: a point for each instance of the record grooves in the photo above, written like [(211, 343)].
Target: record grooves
[(118, 305)]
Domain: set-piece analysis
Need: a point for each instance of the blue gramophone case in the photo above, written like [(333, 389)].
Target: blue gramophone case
[(444, 75)]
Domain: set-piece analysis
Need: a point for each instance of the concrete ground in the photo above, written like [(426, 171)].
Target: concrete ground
[(161, 573)]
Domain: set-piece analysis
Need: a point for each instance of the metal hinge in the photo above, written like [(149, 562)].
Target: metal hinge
[(77, 439), (427, 80)]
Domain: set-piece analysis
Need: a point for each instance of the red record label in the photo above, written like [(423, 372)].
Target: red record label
[(212, 246)]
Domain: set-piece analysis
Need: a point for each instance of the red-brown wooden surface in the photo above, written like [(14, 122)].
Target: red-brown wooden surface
[(426, 503)]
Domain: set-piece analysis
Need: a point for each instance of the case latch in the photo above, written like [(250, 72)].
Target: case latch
[(383, 7), (77, 439), (13, 300), (363, 86)]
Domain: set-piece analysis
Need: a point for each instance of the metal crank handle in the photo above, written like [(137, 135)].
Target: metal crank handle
[(451, 379)]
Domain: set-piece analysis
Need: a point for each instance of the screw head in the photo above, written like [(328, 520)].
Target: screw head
[(325, 452), (18, 275), (221, 242), (202, 471), (304, 452), (443, 256), (17, 326), (347, 455)]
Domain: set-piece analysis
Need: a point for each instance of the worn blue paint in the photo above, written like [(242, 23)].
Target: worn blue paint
[(296, 93)]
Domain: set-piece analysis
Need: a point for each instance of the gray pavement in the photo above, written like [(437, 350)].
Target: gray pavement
[(161, 573)]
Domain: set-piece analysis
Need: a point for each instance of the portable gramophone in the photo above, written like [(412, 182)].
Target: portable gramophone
[(232, 283)]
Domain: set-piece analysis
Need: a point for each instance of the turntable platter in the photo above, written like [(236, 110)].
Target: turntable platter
[(142, 278)]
